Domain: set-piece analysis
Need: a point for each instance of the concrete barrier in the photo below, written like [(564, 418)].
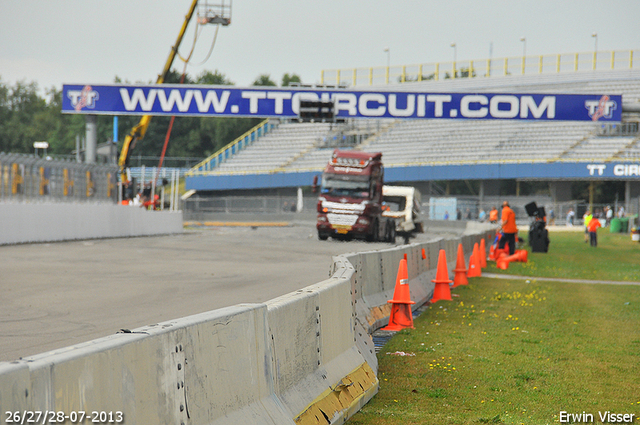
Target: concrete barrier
[(209, 368), (52, 222), (305, 357)]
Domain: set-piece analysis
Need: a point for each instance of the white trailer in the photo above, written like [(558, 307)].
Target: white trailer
[(402, 203)]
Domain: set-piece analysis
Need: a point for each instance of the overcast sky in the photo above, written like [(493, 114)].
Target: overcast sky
[(92, 41)]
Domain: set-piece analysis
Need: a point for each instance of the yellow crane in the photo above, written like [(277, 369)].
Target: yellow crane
[(137, 133)]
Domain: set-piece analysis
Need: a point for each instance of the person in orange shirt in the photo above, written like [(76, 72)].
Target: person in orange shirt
[(593, 226), (509, 228), (493, 215)]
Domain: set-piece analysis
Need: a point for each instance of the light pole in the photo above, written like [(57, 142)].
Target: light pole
[(388, 51), (595, 49), (524, 52), (455, 58)]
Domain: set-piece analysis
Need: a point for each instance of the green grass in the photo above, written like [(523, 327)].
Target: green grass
[(615, 258), (512, 352)]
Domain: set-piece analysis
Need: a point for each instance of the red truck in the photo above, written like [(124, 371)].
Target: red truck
[(350, 204)]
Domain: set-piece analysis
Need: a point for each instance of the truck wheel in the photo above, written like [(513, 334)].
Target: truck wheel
[(392, 233), (374, 236), (323, 236)]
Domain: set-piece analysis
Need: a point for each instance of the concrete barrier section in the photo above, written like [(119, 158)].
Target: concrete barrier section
[(320, 375), (208, 368), (52, 222)]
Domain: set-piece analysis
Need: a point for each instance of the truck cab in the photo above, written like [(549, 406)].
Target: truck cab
[(350, 201)]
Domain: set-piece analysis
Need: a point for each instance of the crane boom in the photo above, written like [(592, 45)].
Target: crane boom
[(138, 132)]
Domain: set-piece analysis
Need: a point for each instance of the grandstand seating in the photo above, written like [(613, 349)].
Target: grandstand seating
[(303, 146), (277, 148)]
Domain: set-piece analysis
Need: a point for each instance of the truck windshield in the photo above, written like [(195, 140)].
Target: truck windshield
[(353, 186)]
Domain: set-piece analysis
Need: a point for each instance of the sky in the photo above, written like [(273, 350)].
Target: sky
[(92, 41)]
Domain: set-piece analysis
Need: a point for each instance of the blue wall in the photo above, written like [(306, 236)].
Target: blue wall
[(542, 171)]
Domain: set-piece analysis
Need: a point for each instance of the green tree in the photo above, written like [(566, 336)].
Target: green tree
[(287, 79), (263, 80), (213, 78)]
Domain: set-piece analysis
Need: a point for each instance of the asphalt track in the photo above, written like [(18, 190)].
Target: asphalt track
[(54, 295)]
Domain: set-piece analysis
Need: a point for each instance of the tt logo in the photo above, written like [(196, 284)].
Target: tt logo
[(600, 108), (83, 98), (596, 167)]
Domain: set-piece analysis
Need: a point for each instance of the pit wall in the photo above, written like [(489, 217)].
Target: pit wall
[(54, 222), (305, 358)]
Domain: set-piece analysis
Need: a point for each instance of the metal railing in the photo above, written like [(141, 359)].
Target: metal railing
[(623, 129), (31, 178), (248, 204), (232, 148), (526, 65)]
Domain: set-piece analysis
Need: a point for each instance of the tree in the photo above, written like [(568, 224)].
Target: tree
[(263, 80), (288, 79), (215, 78)]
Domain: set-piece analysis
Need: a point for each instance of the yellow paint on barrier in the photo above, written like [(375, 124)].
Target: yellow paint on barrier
[(379, 312), (346, 397)]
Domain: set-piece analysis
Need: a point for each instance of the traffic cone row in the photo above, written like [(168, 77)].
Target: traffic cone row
[(401, 315)]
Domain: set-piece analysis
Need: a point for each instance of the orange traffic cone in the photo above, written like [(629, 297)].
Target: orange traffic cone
[(460, 277), (497, 253), (502, 263), (424, 254), (520, 255), (401, 316), (442, 281), (474, 263), (492, 253), (483, 254)]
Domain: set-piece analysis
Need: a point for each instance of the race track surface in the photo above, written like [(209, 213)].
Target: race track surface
[(59, 294)]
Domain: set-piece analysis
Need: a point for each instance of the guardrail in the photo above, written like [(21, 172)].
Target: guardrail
[(542, 64), (234, 147), (304, 358), (29, 177)]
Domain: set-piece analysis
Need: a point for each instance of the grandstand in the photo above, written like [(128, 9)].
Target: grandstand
[(298, 150)]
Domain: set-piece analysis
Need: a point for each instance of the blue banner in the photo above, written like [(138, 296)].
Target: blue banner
[(267, 102)]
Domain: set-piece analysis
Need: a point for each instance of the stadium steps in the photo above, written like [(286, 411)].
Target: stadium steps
[(573, 146), (298, 156), (629, 150), (384, 129)]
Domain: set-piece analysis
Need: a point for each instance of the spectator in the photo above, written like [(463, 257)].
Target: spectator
[(608, 215), (482, 216), (593, 226), (621, 212), (458, 214), (552, 216), (586, 219), (493, 215), (571, 216), (509, 228), (467, 214), (446, 215)]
